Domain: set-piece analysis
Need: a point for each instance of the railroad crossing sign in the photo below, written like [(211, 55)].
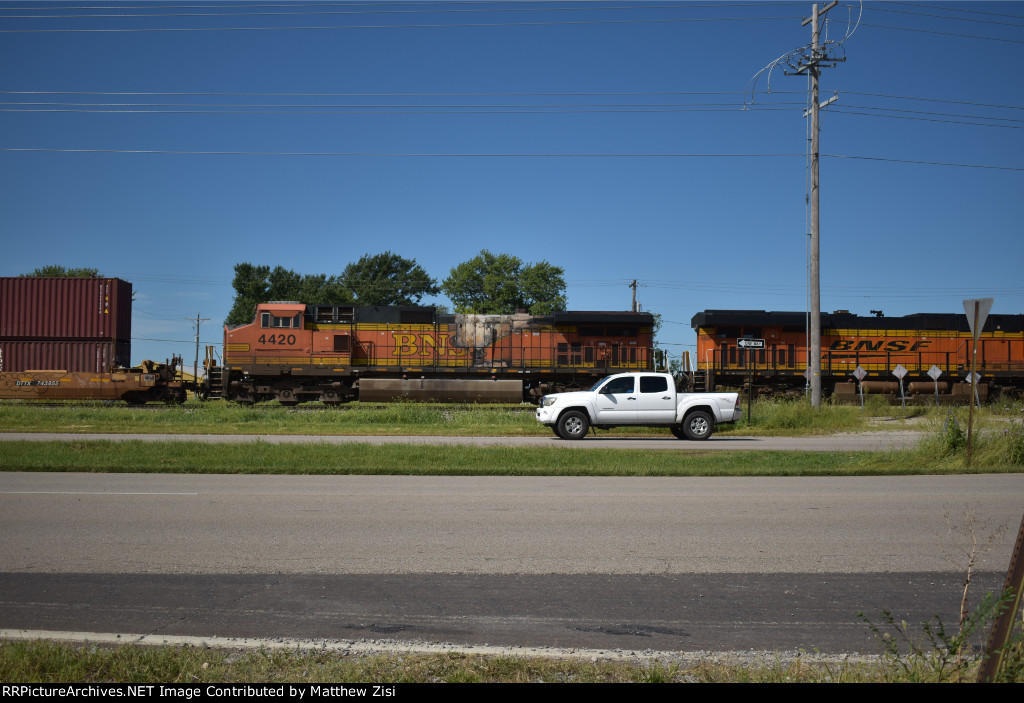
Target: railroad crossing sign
[(750, 343)]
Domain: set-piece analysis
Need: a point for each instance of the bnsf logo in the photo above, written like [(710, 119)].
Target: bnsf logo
[(895, 345), (424, 345)]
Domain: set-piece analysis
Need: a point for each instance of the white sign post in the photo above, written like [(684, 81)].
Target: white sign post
[(935, 372), (899, 372), (977, 310), (859, 373)]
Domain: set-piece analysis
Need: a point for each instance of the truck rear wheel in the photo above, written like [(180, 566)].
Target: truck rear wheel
[(573, 425), (698, 425)]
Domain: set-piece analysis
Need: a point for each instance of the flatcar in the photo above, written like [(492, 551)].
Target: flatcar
[(877, 344), (70, 339), (293, 352)]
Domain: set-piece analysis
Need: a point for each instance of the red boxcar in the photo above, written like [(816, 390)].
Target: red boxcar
[(66, 309), (82, 355)]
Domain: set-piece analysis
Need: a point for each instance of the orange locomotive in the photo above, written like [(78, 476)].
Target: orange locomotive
[(876, 344), (293, 352)]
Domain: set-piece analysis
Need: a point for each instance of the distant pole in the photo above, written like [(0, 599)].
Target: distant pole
[(633, 286), (195, 363)]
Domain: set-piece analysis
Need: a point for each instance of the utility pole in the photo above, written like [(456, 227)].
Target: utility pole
[(195, 364), (633, 286), (812, 65)]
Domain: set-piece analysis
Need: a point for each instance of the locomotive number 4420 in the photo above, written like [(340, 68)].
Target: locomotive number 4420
[(288, 339)]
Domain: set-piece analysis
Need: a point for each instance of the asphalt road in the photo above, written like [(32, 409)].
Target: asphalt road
[(638, 563)]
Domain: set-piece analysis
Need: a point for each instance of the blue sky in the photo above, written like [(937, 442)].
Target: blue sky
[(609, 138)]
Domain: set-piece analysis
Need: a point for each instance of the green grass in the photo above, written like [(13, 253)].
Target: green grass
[(774, 417), (53, 662), (226, 418), (998, 442), (402, 459), (49, 662)]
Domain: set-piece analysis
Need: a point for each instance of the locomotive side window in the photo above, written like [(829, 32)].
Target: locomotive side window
[(269, 320)]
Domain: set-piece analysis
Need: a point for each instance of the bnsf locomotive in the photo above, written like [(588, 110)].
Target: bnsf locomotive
[(292, 352), (876, 344)]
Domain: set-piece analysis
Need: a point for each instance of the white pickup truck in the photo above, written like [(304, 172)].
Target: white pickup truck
[(638, 399)]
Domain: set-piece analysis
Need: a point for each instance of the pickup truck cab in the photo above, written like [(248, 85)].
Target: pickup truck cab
[(647, 398)]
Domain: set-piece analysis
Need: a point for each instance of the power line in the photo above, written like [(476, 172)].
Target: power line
[(924, 119), (665, 155), (111, 30), (945, 34), (424, 9), (368, 95), (955, 9), (954, 19), (934, 100), (924, 163), (403, 154)]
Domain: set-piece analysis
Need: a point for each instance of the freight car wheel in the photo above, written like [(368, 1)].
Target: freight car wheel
[(698, 425), (573, 425)]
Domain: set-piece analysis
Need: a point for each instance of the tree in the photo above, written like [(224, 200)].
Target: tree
[(387, 279), (55, 271), (500, 283), (260, 284)]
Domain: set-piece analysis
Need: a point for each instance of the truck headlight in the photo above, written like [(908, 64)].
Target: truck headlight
[(548, 400)]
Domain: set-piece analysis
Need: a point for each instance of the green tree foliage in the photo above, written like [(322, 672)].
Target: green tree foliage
[(55, 271), (259, 284), (387, 279), (500, 283)]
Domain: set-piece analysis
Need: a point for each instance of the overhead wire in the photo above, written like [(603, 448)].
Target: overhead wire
[(113, 30)]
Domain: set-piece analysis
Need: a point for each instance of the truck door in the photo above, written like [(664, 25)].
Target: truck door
[(656, 402), (616, 401)]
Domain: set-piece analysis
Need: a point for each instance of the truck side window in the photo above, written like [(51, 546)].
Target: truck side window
[(653, 384), (619, 385)]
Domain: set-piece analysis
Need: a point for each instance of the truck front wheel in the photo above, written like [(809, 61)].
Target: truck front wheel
[(573, 425), (698, 425)]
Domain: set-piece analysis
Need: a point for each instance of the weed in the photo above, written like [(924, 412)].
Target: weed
[(938, 654), (952, 439)]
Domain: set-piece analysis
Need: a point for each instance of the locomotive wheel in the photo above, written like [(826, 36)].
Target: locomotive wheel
[(573, 425), (698, 425)]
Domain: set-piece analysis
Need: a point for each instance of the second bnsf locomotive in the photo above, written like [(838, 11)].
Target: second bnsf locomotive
[(293, 352), (877, 344)]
